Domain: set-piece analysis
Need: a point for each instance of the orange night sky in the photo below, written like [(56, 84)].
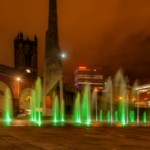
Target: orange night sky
[(106, 33)]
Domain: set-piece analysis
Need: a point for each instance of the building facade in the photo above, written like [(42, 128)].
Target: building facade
[(88, 75), (20, 86), (25, 54), (143, 96)]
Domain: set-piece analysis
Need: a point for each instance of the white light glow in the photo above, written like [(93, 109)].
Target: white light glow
[(63, 55), (28, 70), (18, 79)]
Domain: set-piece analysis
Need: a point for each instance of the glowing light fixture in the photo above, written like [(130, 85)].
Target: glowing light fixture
[(63, 55), (82, 67), (28, 70), (18, 79), (120, 98), (96, 90)]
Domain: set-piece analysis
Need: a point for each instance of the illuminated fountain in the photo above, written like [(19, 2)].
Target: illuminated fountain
[(144, 117), (36, 103), (62, 111), (116, 102), (94, 104), (58, 109), (101, 116), (132, 116), (112, 107), (85, 105), (77, 109), (108, 100), (8, 112), (33, 107), (120, 88), (135, 96), (55, 108)]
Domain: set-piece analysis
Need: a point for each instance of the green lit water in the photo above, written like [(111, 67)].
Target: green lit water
[(55, 108), (144, 117), (8, 107), (101, 116), (33, 107), (85, 107), (36, 103), (121, 96), (62, 111), (77, 109), (132, 116), (116, 116)]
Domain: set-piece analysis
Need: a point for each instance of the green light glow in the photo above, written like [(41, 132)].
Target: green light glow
[(116, 116), (36, 102), (76, 112), (108, 116), (101, 116), (39, 122), (121, 95), (8, 120), (132, 116), (123, 122), (55, 108), (62, 111), (33, 107), (88, 122), (144, 117), (122, 111), (8, 106), (62, 120), (85, 107)]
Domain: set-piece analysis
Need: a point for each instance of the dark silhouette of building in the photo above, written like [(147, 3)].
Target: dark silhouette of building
[(25, 53)]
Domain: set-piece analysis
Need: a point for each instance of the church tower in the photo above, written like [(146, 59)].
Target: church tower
[(53, 67), (25, 52)]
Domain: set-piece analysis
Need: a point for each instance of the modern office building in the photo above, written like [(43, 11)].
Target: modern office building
[(88, 75), (143, 93)]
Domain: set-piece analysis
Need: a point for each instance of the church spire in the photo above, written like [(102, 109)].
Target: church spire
[(52, 22), (53, 67)]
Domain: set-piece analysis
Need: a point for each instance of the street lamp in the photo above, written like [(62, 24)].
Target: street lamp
[(63, 55), (18, 79), (95, 93), (28, 70)]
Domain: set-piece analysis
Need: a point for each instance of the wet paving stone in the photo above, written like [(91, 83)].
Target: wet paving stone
[(74, 138)]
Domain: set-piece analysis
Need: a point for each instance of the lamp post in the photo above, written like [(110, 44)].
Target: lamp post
[(96, 91), (18, 79), (63, 55), (18, 88)]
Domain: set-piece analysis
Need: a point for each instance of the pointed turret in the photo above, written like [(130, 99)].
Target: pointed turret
[(53, 68)]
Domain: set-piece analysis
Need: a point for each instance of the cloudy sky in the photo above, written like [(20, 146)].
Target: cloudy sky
[(105, 33)]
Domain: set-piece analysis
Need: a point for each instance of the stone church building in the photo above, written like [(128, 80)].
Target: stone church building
[(20, 78)]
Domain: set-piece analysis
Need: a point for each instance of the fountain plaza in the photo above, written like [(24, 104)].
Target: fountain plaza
[(117, 105), (109, 120)]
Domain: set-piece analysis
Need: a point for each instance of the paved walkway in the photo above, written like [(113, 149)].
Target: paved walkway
[(74, 138)]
